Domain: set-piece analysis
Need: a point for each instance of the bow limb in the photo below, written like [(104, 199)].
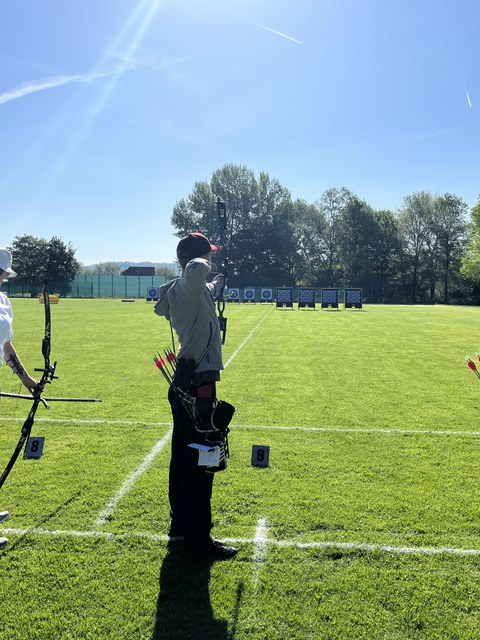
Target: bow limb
[(48, 374)]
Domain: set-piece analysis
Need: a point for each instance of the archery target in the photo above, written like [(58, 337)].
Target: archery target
[(330, 298), (306, 298), (249, 295), (234, 295), (153, 293), (285, 297), (267, 295), (353, 298)]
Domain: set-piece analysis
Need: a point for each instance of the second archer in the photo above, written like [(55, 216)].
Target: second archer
[(7, 350)]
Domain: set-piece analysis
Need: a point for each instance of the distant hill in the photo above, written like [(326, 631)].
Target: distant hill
[(122, 266)]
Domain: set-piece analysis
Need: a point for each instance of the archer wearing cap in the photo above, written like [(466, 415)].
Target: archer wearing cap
[(195, 245), (7, 350), (188, 304)]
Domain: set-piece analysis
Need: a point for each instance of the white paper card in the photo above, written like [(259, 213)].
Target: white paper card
[(207, 456), (210, 458), (200, 447)]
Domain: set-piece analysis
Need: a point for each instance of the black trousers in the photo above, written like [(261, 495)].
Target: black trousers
[(190, 486)]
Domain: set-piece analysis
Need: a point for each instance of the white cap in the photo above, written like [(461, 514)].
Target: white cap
[(6, 262)]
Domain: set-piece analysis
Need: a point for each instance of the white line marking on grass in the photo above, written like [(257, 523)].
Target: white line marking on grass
[(260, 541), (126, 486), (428, 432), (247, 338), (100, 421), (327, 544), (383, 431)]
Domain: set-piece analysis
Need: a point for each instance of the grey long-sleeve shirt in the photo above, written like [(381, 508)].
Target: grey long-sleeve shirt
[(188, 303)]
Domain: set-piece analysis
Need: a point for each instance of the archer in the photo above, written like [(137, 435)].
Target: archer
[(188, 303), (7, 350)]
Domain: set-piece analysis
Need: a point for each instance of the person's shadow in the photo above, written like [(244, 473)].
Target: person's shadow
[(184, 609)]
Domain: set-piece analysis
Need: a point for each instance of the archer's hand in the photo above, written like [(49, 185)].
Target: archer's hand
[(219, 281), (30, 383)]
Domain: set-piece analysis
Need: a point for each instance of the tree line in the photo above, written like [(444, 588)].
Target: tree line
[(427, 251), (37, 260)]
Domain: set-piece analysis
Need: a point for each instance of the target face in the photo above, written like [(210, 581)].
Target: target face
[(153, 292), (249, 294), (284, 296), (329, 296), (267, 295), (234, 294), (353, 296), (306, 295)]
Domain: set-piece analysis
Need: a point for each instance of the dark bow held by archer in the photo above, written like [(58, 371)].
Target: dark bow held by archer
[(222, 226), (48, 374)]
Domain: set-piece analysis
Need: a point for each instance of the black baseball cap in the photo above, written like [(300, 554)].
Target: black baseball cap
[(193, 246)]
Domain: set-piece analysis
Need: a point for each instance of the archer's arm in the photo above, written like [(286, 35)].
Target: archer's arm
[(13, 361)]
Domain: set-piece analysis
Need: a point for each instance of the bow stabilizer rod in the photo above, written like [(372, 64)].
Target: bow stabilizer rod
[(222, 226)]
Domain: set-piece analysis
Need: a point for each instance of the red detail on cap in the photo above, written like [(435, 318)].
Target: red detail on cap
[(213, 247)]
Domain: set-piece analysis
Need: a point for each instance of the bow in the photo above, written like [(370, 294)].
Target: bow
[(222, 225), (48, 374)]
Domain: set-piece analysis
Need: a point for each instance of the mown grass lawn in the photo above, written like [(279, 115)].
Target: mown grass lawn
[(366, 524)]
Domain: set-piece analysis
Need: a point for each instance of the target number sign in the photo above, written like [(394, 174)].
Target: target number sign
[(34, 448), (260, 455)]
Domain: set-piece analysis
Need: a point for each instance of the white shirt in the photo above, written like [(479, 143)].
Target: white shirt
[(6, 319)]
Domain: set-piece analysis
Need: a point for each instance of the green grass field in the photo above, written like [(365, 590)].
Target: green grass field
[(366, 524)]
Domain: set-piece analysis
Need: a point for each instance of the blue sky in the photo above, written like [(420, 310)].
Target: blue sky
[(110, 110)]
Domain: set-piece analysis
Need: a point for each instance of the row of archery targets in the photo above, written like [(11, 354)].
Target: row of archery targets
[(286, 297), (304, 297)]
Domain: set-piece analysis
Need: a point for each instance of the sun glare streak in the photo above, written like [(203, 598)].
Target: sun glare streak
[(128, 41)]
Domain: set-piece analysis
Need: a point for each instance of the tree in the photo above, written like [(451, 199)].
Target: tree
[(37, 260), (359, 232), (471, 255), (259, 222), (309, 233), (415, 223), (62, 265), (107, 268), (331, 204), (165, 270), (386, 250), (450, 229)]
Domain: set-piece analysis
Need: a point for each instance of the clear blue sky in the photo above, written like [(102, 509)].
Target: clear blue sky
[(110, 110)]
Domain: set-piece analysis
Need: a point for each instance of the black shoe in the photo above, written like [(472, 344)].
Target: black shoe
[(176, 533), (211, 549)]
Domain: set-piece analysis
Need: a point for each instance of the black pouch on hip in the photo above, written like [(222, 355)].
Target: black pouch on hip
[(223, 414), (183, 378)]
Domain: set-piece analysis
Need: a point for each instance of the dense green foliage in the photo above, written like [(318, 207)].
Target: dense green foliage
[(37, 260), (410, 255), (372, 421)]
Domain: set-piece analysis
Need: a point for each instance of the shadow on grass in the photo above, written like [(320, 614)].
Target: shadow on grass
[(184, 609)]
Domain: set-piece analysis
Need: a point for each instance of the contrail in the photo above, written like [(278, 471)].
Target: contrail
[(48, 83), (468, 98), (277, 32)]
